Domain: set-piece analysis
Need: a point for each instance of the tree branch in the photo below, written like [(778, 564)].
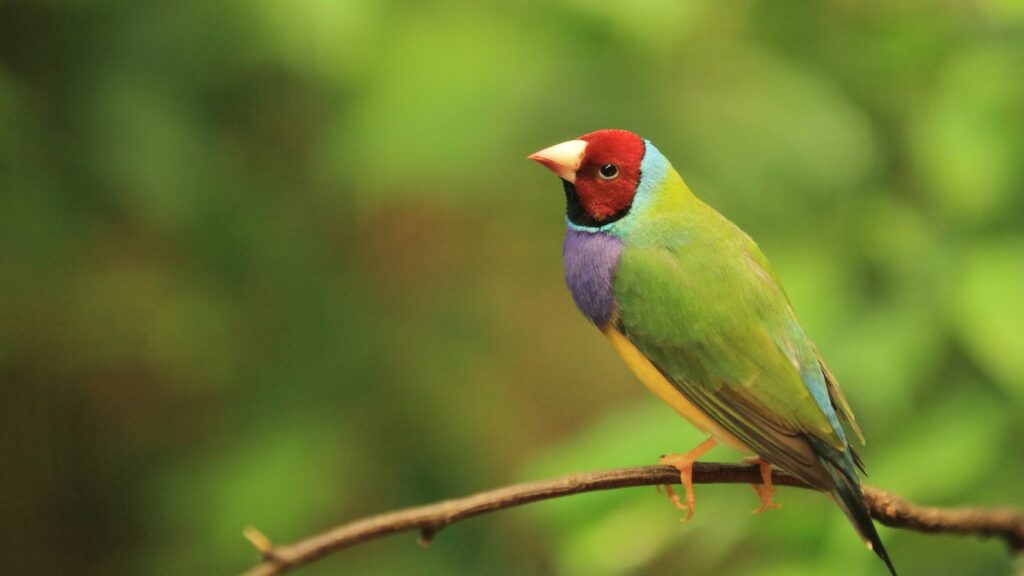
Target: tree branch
[(891, 510)]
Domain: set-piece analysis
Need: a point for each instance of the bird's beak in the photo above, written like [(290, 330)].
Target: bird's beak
[(563, 159)]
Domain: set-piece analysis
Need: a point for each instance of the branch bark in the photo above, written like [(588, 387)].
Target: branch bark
[(889, 509)]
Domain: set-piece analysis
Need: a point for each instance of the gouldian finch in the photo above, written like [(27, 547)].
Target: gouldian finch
[(692, 305)]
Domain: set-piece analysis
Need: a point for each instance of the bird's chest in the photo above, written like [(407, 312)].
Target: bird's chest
[(590, 262)]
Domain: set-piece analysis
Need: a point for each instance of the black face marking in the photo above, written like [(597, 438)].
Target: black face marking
[(578, 216)]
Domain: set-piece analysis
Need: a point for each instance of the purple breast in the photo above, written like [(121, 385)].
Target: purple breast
[(590, 261)]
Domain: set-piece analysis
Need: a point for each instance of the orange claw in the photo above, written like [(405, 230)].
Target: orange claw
[(684, 463), (764, 490)]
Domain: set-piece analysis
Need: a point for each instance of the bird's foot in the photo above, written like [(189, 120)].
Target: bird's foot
[(764, 490), (684, 463), (674, 498)]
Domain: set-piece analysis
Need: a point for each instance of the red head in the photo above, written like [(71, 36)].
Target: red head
[(600, 170)]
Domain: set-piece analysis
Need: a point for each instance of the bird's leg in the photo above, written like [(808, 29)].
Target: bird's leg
[(684, 463), (764, 490)]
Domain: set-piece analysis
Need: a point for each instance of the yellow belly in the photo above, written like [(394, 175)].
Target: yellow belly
[(662, 388)]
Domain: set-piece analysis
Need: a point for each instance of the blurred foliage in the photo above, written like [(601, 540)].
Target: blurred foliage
[(284, 264)]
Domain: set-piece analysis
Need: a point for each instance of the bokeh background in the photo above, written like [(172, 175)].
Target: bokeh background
[(284, 264)]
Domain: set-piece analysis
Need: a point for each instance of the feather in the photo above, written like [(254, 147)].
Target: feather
[(693, 307)]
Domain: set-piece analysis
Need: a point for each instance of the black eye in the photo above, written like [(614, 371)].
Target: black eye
[(608, 171)]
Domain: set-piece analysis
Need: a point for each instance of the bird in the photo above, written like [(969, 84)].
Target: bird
[(693, 307)]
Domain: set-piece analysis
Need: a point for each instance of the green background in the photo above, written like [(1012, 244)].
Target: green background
[(284, 264)]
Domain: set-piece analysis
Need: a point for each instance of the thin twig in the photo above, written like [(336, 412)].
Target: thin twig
[(891, 510)]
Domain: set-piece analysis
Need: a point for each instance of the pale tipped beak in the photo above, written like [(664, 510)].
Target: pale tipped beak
[(563, 159)]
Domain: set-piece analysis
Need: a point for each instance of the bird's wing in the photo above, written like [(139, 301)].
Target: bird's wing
[(814, 371), (711, 316), (839, 403)]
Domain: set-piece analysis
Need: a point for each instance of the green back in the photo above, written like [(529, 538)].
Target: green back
[(697, 296)]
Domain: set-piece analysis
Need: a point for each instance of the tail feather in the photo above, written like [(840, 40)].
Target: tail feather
[(847, 493)]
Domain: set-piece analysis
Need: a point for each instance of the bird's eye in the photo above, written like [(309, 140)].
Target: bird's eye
[(608, 171)]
